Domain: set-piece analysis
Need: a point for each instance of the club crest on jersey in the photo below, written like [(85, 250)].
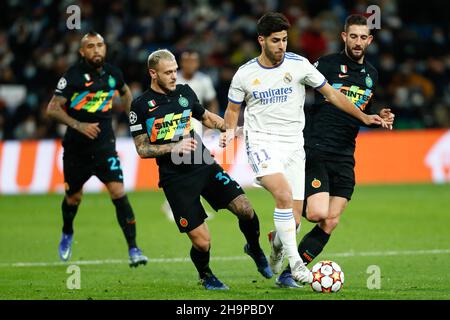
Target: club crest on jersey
[(183, 222), (287, 77), (111, 81), (151, 103), (87, 77), (316, 183), (343, 68), (369, 82), (183, 102), (256, 82)]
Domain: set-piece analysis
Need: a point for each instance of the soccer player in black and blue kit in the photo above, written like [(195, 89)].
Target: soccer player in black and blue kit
[(160, 123), (83, 101), (330, 138)]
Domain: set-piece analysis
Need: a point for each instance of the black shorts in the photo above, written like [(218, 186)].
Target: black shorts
[(183, 195), (79, 167), (325, 172)]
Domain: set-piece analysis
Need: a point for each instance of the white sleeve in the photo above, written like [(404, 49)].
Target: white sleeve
[(210, 92), (236, 93), (312, 76)]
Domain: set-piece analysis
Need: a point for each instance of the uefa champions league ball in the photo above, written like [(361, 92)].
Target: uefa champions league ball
[(327, 277)]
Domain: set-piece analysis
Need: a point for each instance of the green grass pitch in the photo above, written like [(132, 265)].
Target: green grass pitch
[(404, 230)]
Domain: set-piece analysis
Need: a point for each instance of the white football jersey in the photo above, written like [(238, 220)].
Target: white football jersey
[(275, 96)]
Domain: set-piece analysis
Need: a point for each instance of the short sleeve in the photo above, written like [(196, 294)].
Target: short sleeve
[(65, 87), (136, 119), (313, 77), (236, 93)]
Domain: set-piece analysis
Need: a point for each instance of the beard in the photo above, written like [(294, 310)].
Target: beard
[(353, 56), (164, 86), (97, 62), (272, 57)]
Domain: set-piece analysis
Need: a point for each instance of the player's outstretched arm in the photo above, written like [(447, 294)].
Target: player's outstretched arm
[(55, 110), (340, 101), (147, 150), (213, 121), (231, 119)]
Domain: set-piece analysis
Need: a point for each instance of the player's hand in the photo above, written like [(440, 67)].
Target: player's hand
[(388, 117), (226, 137), (90, 130), (185, 146), (375, 119)]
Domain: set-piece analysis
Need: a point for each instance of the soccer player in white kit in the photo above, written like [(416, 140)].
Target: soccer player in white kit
[(273, 87)]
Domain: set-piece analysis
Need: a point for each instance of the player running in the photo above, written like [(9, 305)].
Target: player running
[(273, 88), (330, 138), (160, 123)]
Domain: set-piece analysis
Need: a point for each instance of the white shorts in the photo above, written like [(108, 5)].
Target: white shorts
[(267, 158)]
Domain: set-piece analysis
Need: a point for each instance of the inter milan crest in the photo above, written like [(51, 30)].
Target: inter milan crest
[(112, 81), (183, 102), (369, 82)]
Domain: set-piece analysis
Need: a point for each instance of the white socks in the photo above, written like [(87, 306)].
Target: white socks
[(286, 233)]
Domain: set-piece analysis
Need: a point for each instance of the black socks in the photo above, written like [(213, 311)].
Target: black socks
[(312, 244), (201, 262), (250, 229), (68, 213), (125, 216)]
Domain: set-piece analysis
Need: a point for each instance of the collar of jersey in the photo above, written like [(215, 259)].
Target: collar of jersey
[(257, 60)]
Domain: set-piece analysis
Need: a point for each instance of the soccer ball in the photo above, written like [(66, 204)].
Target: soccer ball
[(327, 277)]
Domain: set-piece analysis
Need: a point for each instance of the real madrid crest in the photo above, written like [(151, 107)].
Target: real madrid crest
[(287, 77)]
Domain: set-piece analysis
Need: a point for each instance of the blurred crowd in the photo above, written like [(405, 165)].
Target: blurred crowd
[(410, 51)]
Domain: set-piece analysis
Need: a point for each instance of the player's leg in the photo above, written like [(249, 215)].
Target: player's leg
[(337, 207), (109, 171), (200, 256), (294, 167), (327, 197), (284, 221), (76, 173), (223, 192), (183, 196)]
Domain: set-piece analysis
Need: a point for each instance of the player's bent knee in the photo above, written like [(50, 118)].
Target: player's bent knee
[(330, 224), (316, 215), (74, 200), (202, 245)]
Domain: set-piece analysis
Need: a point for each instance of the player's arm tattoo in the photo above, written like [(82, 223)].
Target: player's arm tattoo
[(55, 110), (213, 121), (147, 150)]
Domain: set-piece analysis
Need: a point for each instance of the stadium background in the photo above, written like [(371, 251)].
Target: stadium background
[(399, 224), (411, 52)]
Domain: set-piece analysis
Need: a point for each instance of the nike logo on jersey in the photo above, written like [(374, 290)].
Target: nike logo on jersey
[(343, 75), (153, 109), (87, 84)]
